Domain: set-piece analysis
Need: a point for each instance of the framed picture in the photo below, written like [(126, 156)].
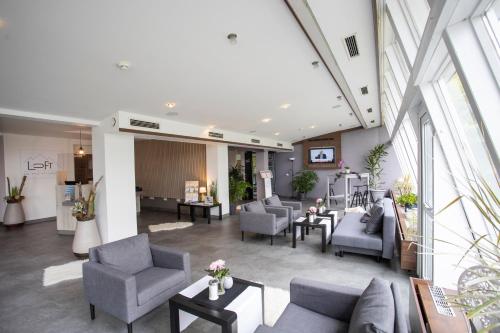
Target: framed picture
[(209, 200), (191, 191)]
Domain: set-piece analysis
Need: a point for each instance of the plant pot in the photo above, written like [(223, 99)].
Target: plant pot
[(347, 170), (14, 214), (301, 196), (377, 194), (232, 209), (86, 236)]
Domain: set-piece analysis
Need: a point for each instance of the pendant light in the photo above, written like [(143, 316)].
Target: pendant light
[(81, 152)]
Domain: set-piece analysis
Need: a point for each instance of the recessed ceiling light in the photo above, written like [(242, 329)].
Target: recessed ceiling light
[(170, 105), (340, 125), (123, 65), (285, 106), (233, 38), (315, 63), (277, 133), (266, 120), (172, 113), (211, 126), (312, 126), (336, 106), (339, 98)]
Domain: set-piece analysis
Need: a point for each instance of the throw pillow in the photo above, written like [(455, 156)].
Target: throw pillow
[(374, 311), (274, 201), (255, 207), (374, 224), (130, 255)]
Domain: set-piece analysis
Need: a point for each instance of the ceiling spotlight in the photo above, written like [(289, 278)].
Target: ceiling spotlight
[(285, 106), (277, 133), (369, 110), (315, 63), (336, 106), (172, 113), (123, 65), (170, 105), (372, 121), (312, 126), (339, 98), (266, 120), (233, 38), (340, 125)]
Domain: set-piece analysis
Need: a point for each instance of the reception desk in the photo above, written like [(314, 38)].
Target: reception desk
[(66, 222)]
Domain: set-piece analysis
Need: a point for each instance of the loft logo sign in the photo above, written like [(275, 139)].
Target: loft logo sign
[(39, 163)]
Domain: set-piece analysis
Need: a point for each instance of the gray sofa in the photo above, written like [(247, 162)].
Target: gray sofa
[(130, 277), (350, 235), (265, 220), (326, 308), (294, 208)]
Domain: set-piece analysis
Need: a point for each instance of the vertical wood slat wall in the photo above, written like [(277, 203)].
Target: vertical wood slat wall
[(162, 167)]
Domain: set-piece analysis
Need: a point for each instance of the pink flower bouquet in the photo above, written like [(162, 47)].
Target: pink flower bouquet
[(312, 210), (217, 269)]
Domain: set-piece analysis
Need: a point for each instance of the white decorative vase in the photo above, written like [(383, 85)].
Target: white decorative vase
[(228, 282), (14, 214), (321, 209), (86, 236), (347, 170), (311, 218)]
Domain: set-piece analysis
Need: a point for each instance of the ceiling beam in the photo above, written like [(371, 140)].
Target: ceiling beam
[(47, 117), (305, 18)]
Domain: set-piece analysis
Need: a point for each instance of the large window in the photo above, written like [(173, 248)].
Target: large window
[(492, 22)]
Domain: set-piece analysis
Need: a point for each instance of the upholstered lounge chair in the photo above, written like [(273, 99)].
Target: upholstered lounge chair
[(294, 208), (130, 277), (265, 220)]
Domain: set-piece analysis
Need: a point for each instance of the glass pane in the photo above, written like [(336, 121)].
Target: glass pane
[(468, 135), (427, 158)]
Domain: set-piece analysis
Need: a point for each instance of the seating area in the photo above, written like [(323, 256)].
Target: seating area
[(313, 166)]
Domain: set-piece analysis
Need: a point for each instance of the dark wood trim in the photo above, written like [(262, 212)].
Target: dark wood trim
[(325, 136), (321, 57), (128, 130)]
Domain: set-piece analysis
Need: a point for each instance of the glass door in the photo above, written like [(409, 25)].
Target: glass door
[(426, 197)]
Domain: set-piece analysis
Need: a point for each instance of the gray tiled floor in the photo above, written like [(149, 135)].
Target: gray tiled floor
[(27, 306)]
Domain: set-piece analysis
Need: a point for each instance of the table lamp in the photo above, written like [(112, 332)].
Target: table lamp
[(202, 191)]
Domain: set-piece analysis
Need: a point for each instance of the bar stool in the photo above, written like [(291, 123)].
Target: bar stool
[(357, 198), (332, 193), (365, 196)]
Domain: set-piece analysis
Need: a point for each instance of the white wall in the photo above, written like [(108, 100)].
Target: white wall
[(40, 193), (355, 146), (217, 170)]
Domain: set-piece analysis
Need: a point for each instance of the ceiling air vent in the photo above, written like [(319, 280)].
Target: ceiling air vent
[(370, 110), (216, 135), (255, 141), (352, 46), (364, 90), (145, 124), (279, 144)]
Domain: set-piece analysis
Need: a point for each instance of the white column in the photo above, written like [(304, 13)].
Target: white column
[(218, 171), (261, 163), (113, 158)]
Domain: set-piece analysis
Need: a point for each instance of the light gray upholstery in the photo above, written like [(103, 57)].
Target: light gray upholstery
[(255, 207), (350, 235), (322, 307), (273, 221), (374, 224), (294, 207), (127, 295), (374, 311)]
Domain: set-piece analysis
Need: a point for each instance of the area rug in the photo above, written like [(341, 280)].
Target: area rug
[(69, 271), (275, 300), (169, 226)]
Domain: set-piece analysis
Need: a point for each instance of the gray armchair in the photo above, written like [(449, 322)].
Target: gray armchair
[(265, 220), (130, 277), (294, 208), (325, 308)]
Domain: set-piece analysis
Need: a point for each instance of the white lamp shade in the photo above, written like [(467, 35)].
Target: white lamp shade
[(203, 189)]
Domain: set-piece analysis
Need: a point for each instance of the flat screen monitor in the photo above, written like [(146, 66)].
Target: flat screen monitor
[(322, 155)]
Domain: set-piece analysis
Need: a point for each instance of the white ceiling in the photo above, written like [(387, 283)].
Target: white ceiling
[(59, 57), (43, 128)]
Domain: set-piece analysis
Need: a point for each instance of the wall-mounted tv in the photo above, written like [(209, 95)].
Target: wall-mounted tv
[(322, 155)]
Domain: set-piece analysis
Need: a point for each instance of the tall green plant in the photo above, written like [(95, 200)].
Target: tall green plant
[(373, 163), (304, 181), (237, 186)]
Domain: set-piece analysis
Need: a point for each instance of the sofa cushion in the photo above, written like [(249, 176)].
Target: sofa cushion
[(255, 207), (274, 201), (296, 319), (375, 223), (130, 255), (365, 218), (154, 280), (374, 311), (350, 232)]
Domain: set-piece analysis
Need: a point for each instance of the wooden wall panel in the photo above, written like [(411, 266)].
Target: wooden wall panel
[(327, 140), (162, 167)]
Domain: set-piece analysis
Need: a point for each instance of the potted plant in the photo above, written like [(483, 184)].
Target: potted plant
[(373, 163), (14, 213), (237, 188), (407, 200), (304, 182), (347, 169), (320, 204), (213, 191), (86, 232)]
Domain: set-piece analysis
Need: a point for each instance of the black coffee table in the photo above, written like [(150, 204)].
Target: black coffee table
[(206, 209), (316, 224), (213, 311)]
